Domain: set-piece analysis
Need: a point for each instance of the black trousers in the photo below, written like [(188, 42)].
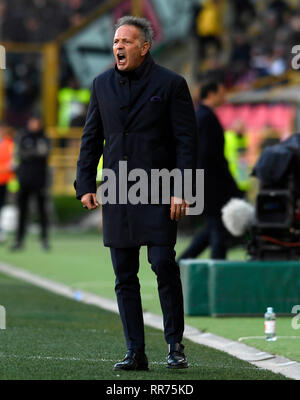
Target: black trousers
[(40, 197), (212, 235), (126, 266)]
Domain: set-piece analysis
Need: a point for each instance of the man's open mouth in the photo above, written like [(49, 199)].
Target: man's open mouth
[(121, 58)]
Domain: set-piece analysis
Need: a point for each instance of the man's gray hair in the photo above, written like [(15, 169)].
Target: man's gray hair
[(141, 23)]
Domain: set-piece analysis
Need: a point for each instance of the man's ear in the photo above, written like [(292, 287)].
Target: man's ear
[(145, 49)]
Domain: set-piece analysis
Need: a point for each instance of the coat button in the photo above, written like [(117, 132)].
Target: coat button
[(122, 82), (122, 107), (125, 158), (126, 133)]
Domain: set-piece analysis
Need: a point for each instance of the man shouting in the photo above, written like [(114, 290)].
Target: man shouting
[(145, 114)]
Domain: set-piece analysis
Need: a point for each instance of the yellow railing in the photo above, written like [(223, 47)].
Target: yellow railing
[(289, 77), (63, 158)]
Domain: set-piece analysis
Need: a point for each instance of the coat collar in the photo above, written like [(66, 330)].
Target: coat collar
[(139, 72), (139, 80)]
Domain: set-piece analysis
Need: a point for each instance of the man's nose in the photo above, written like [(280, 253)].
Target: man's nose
[(120, 46)]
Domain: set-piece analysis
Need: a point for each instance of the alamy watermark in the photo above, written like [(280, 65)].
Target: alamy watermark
[(295, 320), (296, 60), (2, 317), (153, 187), (2, 57)]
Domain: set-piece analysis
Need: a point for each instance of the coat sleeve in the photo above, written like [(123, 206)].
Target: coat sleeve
[(91, 149), (184, 127)]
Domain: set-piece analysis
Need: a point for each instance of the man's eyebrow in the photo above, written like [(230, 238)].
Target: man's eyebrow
[(125, 38)]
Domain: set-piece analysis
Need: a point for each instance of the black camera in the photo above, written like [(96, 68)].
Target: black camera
[(275, 232)]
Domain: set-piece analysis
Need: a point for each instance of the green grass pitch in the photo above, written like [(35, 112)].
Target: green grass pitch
[(51, 337), (82, 262)]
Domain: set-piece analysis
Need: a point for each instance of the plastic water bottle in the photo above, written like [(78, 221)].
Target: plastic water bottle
[(270, 324)]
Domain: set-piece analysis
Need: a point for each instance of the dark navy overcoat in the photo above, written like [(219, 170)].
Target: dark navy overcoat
[(147, 118)]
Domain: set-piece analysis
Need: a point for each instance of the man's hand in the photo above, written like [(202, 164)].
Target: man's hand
[(89, 200), (178, 208)]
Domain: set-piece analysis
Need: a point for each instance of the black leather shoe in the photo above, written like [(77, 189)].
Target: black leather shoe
[(133, 361), (176, 358)]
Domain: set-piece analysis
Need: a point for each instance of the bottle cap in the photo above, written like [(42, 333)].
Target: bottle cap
[(269, 309)]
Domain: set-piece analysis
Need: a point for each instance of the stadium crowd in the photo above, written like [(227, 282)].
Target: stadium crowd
[(41, 20), (241, 40), (246, 38), (238, 41), (34, 21)]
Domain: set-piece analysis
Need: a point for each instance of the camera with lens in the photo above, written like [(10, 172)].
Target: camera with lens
[(275, 230)]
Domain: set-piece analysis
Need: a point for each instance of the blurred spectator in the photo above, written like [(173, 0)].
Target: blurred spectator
[(241, 49), (280, 8), (23, 87), (259, 60), (277, 63), (72, 103), (209, 27), (6, 164), (236, 147), (295, 29), (268, 28), (244, 13), (240, 56), (33, 175)]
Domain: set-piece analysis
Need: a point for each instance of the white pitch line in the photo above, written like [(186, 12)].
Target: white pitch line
[(51, 358), (274, 363), (262, 337)]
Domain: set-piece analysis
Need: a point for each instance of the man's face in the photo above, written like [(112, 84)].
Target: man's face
[(34, 125), (129, 49)]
